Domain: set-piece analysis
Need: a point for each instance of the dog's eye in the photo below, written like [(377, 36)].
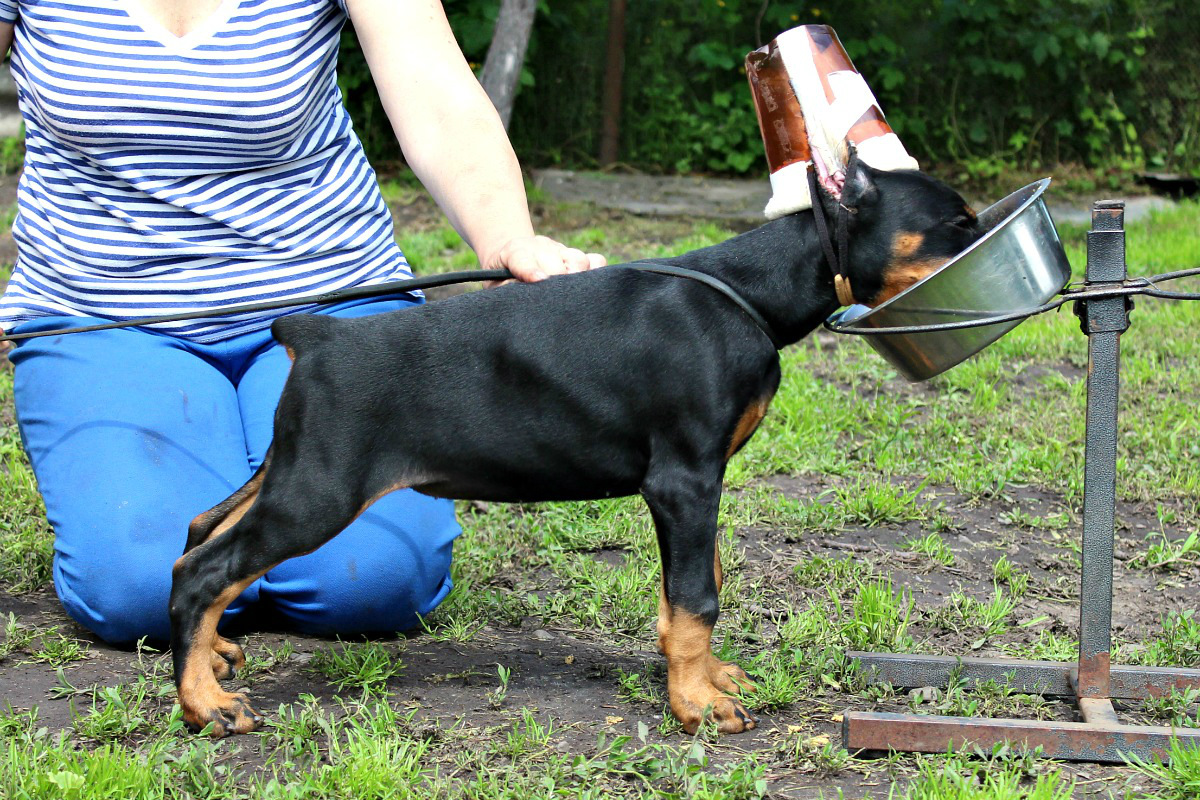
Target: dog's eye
[(963, 221)]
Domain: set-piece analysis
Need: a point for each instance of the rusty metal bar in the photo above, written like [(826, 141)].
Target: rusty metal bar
[(1071, 741), (1050, 678), (1094, 681)]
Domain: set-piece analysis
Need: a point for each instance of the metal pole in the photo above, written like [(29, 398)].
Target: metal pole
[(1103, 321)]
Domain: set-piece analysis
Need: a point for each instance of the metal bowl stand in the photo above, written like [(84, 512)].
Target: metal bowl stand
[(1093, 683)]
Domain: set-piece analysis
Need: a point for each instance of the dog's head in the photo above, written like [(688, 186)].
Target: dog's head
[(903, 226)]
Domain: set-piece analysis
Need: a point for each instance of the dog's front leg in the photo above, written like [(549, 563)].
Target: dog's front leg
[(684, 506)]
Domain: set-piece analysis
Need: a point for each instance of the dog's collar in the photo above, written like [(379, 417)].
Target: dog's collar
[(713, 283), (836, 260)]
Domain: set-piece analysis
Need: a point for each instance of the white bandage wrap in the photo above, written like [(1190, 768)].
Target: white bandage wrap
[(789, 190), (886, 153)]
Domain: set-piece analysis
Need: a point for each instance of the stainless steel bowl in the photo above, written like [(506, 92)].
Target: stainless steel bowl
[(1017, 264)]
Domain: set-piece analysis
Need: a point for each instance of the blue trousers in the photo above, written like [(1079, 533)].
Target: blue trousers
[(132, 433)]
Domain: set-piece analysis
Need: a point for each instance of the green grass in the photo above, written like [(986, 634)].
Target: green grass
[(365, 666)]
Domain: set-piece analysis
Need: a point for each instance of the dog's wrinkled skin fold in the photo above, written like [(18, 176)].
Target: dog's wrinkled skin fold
[(602, 384)]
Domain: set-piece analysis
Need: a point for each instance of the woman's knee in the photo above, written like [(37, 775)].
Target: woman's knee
[(120, 599), (388, 569)]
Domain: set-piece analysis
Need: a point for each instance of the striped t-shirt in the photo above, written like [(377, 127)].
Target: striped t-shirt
[(165, 174)]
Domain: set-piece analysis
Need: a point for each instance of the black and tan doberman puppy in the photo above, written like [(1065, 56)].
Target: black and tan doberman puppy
[(602, 384)]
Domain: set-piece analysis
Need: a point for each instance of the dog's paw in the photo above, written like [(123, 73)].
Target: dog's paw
[(226, 659), (227, 712), (729, 677), (728, 712), (701, 700)]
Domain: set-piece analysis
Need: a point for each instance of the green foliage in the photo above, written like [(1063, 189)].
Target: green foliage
[(987, 84)]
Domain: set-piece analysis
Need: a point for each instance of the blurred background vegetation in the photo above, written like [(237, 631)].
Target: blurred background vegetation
[(987, 86)]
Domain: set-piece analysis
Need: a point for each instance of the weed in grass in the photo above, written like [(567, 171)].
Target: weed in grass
[(1017, 517), (816, 755), (1177, 646), (1169, 553), (26, 543), (932, 546), (116, 712), (779, 678), (261, 661), (57, 650), (878, 619), (1048, 646), (873, 502), (604, 597), (1175, 707), (293, 733), (988, 698), (955, 777), (642, 687), (1006, 573), (1177, 778), (17, 637), (821, 571), (963, 612), (367, 756), (764, 506), (496, 696), (526, 737), (363, 665), (667, 772), (18, 723)]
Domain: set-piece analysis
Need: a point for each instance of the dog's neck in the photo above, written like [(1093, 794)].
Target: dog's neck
[(780, 269)]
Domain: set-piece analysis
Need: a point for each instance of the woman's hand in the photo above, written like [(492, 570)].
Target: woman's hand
[(532, 258)]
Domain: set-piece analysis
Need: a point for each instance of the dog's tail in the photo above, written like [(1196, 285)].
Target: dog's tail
[(297, 332)]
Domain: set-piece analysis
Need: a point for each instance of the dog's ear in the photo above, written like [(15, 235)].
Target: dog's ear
[(860, 190)]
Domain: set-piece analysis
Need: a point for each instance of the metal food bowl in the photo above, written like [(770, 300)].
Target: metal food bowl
[(1017, 264)]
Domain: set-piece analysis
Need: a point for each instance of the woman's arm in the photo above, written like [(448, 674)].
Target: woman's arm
[(452, 136)]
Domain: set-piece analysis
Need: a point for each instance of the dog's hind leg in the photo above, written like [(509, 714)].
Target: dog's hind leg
[(227, 657), (684, 506), (223, 515), (294, 513)]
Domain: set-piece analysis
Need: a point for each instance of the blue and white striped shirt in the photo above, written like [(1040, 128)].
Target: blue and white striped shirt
[(165, 174)]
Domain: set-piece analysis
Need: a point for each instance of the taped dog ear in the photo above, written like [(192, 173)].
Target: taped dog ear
[(860, 190)]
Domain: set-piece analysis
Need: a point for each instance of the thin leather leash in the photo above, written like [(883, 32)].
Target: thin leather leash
[(412, 284)]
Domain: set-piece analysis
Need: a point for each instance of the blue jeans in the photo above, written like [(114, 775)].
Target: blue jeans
[(132, 434)]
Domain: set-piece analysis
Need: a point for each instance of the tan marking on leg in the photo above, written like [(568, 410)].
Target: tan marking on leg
[(748, 424), (718, 571), (695, 676), (235, 514), (200, 696), (227, 658), (378, 495), (291, 354), (664, 616), (242, 499)]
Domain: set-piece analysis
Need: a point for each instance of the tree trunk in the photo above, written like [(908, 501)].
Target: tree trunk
[(502, 67), (614, 70)]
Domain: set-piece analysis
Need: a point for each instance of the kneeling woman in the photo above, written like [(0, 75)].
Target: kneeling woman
[(190, 154)]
